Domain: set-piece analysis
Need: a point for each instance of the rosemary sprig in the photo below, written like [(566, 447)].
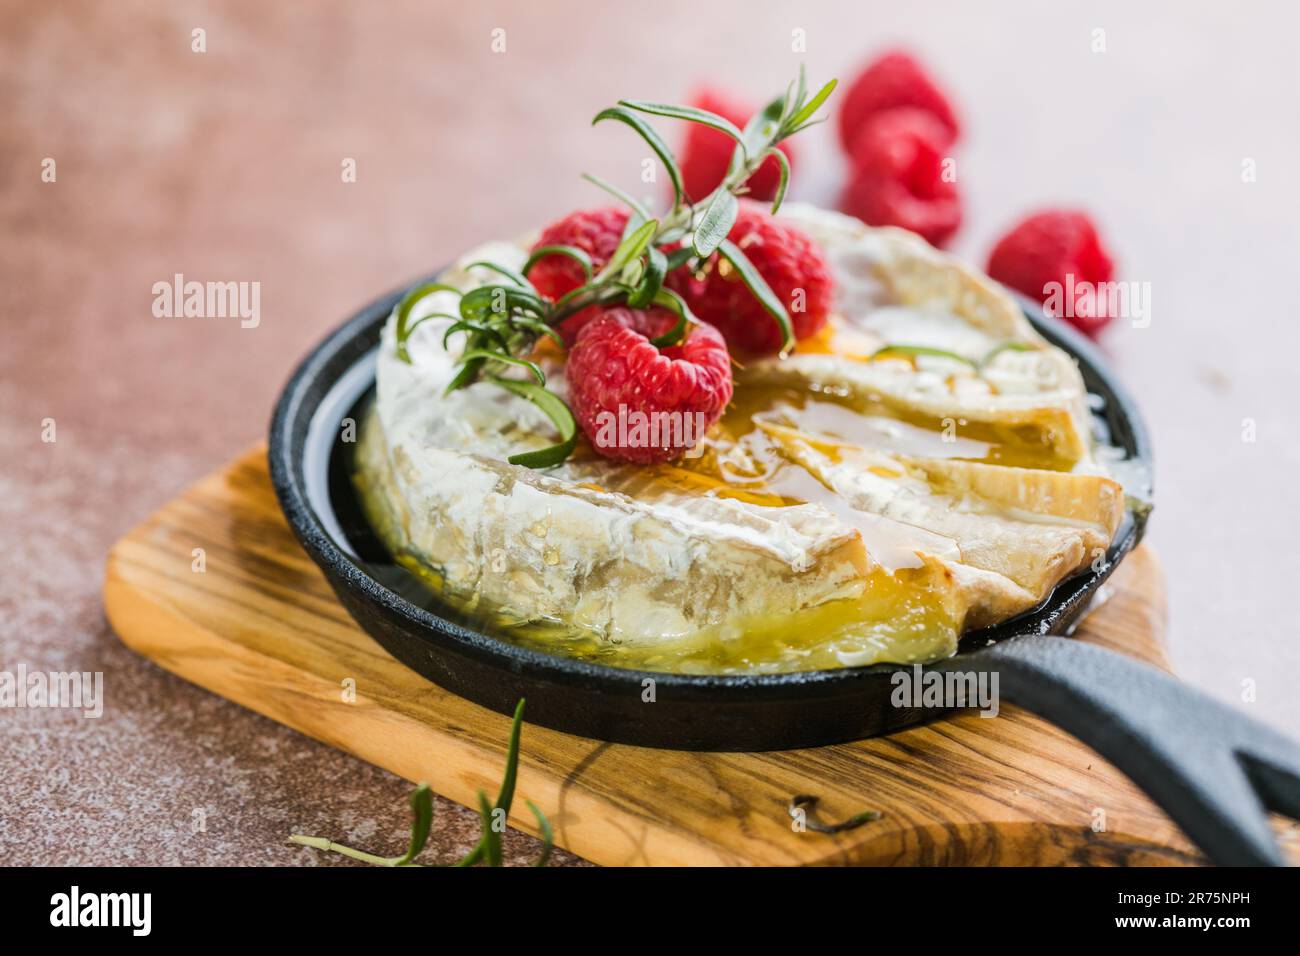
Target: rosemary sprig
[(422, 823), (488, 848), (502, 321)]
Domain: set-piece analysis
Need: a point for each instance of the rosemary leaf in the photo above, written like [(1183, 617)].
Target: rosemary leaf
[(652, 139), (762, 127), (471, 326), (558, 412), (467, 375), (716, 222), (404, 312), (488, 847), (548, 835), (668, 299), (491, 839), (688, 113), (492, 356), (500, 300), (679, 257), (630, 248), (633, 204), (798, 121), (762, 291), (572, 252), (652, 281), (783, 164), (422, 823), (515, 277), (506, 795)]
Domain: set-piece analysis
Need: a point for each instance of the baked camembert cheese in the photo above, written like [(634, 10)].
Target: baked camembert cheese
[(920, 467)]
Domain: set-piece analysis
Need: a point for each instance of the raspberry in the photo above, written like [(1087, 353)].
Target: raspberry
[(707, 152), (615, 372), (1057, 246), (898, 176), (891, 81), (596, 232), (791, 263)]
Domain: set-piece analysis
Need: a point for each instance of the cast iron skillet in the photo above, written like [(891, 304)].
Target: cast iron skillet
[(1210, 768)]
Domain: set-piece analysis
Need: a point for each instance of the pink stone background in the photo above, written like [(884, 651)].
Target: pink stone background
[(226, 166)]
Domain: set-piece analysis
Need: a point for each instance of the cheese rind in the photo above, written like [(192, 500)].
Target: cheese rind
[(878, 545), (537, 548)]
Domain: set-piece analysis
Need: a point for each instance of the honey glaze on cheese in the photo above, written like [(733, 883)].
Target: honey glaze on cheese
[(875, 466), (901, 618), (897, 614)]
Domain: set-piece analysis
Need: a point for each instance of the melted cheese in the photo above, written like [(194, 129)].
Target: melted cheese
[(847, 509)]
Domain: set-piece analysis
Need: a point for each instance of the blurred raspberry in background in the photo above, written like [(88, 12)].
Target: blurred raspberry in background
[(1056, 257), (898, 176), (892, 80), (898, 128)]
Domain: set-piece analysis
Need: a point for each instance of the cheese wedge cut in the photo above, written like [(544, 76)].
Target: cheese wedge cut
[(851, 506), (896, 289)]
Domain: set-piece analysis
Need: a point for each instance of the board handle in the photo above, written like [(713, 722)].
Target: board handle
[(1212, 769)]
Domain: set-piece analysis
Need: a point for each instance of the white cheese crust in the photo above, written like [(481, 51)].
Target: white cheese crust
[(662, 563)]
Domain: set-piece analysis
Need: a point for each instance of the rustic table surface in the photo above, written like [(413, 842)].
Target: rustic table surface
[(1180, 135)]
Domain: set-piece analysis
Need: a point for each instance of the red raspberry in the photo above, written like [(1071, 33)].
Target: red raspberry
[(898, 176), (614, 371), (791, 263), (891, 81), (596, 232), (1057, 246), (707, 152)]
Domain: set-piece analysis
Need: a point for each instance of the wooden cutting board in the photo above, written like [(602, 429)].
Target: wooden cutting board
[(260, 625)]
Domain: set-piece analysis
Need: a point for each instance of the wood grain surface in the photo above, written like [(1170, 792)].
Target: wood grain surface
[(261, 626)]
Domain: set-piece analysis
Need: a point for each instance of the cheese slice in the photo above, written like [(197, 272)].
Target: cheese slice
[(848, 509), (895, 289)]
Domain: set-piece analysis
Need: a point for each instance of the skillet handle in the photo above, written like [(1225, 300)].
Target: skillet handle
[(1212, 769)]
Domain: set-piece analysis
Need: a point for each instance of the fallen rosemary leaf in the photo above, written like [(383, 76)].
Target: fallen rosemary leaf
[(488, 848), (807, 804)]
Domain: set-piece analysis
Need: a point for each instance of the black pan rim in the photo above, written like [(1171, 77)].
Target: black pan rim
[(287, 435)]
